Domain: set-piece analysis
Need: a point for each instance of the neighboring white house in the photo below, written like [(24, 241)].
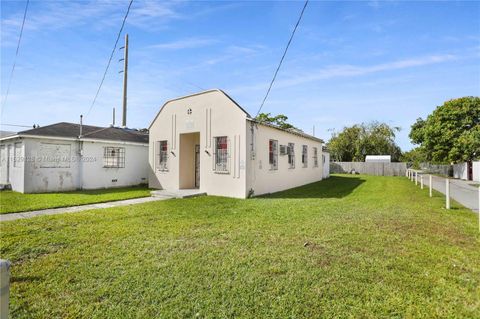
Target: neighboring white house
[(476, 171), (460, 171), (378, 159), (59, 158), (207, 141), (469, 171)]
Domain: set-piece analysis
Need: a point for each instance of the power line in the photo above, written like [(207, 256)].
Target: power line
[(16, 55), (283, 56), (17, 125), (111, 57)]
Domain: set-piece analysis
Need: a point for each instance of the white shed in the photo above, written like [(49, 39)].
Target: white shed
[(207, 141), (378, 159), (56, 158)]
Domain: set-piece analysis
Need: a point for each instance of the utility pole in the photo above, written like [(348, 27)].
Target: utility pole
[(125, 74)]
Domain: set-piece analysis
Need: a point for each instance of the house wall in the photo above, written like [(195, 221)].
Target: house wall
[(211, 114), (460, 171), (94, 174), (12, 154), (53, 165), (262, 179), (47, 170)]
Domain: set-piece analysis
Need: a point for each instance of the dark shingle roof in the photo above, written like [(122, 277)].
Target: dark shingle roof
[(72, 130), (6, 133)]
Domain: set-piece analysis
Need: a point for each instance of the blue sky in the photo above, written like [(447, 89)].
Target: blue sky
[(350, 62)]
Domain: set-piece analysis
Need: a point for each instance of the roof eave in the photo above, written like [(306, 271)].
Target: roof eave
[(67, 138)]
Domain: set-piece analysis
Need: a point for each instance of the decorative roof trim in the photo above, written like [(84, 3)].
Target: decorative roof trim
[(195, 94)]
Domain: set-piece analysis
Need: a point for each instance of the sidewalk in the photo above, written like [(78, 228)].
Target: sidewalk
[(460, 190), (157, 195), (74, 209)]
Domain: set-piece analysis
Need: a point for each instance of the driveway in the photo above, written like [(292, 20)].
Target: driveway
[(460, 190)]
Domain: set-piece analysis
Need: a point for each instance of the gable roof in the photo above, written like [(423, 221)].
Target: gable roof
[(72, 130), (195, 94)]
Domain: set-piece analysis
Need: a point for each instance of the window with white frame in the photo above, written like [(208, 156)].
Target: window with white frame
[(305, 155), (220, 154), (315, 157), (17, 159), (291, 155), (162, 155), (273, 154), (114, 157)]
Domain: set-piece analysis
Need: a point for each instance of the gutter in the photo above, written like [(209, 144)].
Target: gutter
[(72, 139)]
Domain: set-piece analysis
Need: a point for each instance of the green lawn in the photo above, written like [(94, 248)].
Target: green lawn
[(12, 202), (347, 247)]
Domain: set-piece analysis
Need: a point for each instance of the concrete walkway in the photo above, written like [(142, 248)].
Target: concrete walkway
[(156, 196), (460, 190)]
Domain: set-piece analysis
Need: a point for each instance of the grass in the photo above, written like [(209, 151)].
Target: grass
[(346, 247), (13, 202)]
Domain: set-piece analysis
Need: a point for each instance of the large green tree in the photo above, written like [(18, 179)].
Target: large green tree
[(355, 142), (451, 133), (279, 120)]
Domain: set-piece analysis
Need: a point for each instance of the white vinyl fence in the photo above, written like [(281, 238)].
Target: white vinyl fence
[(372, 168)]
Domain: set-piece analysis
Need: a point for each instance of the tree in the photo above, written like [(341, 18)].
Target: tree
[(451, 133), (416, 156), (278, 120), (355, 142)]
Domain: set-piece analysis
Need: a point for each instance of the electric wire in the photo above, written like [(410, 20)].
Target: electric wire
[(283, 57), (16, 55), (111, 57)]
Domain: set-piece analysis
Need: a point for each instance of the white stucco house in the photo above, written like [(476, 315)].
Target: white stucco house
[(64, 157), (207, 141)]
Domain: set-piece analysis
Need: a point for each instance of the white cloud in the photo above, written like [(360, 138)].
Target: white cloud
[(351, 71), (188, 43)]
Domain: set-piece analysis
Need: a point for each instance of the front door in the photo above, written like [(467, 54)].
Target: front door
[(197, 166)]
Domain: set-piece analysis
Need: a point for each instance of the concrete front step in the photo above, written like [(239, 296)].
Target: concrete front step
[(181, 193)]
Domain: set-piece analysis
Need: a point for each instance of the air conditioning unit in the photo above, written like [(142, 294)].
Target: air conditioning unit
[(283, 149)]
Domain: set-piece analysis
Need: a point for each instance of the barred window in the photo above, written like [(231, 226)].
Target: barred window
[(315, 157), (305, 155), (291, 155), (273, 154), (221, 154), (114, 157), (162, 155)]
